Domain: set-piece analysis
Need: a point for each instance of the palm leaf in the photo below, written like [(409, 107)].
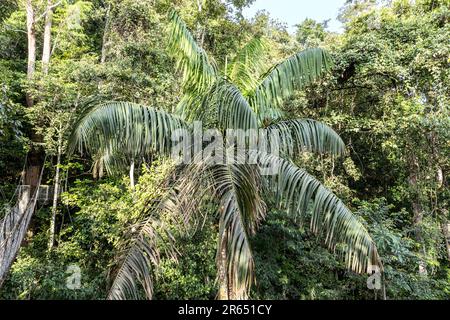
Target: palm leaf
[(141, 257), (138, 266), (249, 64), (120, 131), (296, 136), (296, 189), (234, 254), (223, 105), (193, 62), (233, 110), (192, 106), (282, 80), (241, 211), (237, 187)]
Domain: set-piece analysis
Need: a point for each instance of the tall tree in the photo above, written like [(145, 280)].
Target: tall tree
[(46, 49), (247, 98), (31, 37)]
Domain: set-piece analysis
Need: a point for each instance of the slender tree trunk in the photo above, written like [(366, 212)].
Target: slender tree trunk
[(200, 30), (417, 208), (105, 42), (445, 226), (35, 158), (46, 51), (51, 240), (132, 174), (31, 36), (222, 275), (440, 184)]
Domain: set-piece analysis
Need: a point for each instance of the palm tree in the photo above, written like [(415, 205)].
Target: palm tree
[(246, 95)]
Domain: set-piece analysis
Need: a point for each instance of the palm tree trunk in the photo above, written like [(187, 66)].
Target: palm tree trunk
[(222, 271)]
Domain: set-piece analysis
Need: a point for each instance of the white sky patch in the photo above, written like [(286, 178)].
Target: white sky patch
[(293, 12)]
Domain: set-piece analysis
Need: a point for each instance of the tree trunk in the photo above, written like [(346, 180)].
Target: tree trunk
[(445, 226), (414, 168), (105, 42), (222, 271), (223, 278), (51, 240), (31, 36), (35, 158), (132, 174), (200, 29), (46, 51)]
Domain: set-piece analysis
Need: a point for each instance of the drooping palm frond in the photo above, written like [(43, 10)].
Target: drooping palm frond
[(124, 130), (282, 80), (249, 64), (223, 105), (233, 110), (110, 159), (296, 190), (234, 255), (237, 187), (140, 260), (191, 106), (198, 70), (295, 136), (138, 266), (242, 209)]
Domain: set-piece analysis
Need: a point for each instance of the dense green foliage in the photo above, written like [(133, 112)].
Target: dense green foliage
[(387, 96)]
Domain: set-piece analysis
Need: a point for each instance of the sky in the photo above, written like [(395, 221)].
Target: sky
[(294, 12)]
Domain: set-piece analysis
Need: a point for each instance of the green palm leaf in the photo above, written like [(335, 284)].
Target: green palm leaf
[(296, 136), (138, 266), (282, 80), (199, 72), (222, 105), (120, 131), (241, 211), (249, 64), (296, 189), (237, 186), (232, 108)]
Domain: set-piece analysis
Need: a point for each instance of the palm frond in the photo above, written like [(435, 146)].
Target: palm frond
[(241, 211), (296, 136), (249, 64), (233, 110), (282, 80), (237, 187), (296, 190), (198, 70), (222, 105), (138, 266), (120, 131), (192, 107), (234, 254), (142, 255)]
